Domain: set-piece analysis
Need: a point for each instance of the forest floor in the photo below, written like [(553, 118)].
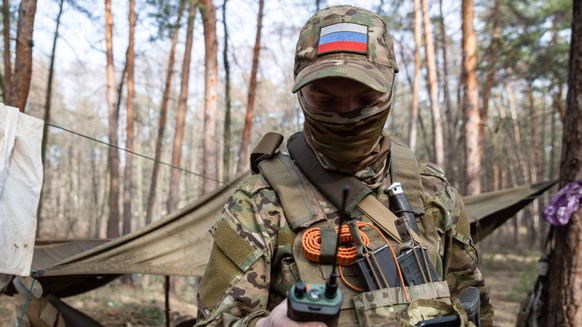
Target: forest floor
[(509, 273)]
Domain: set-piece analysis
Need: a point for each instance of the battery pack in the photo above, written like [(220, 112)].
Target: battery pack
[(386, 266)]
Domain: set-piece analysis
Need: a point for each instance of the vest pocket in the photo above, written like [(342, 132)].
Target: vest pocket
[(390, 307), (287, 277), (281, 281)]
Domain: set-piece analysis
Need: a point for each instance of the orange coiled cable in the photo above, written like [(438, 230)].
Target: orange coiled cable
[(311, 242)]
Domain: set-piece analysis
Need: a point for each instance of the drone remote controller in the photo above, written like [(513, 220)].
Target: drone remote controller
[(309, 302)]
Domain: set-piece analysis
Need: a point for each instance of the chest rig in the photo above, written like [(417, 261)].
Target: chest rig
[(383, 305)]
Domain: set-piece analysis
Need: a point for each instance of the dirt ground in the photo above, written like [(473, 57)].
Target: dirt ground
[(509, 272)]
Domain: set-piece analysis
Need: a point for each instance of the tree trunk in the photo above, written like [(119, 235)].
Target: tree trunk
[(521, 175), (559, 105), (513, 167), (227, 120), (565, 291), (534, 144), (20, 81), (163, 114), (7, 61), (491, 60), (413, 126), (173, 194), (113, 157), (496, 173), (470, 103), (498, 153), (534, 157), (95, 226), (127, 175), (450, 129), (47, 105), (489, 165), (49, 87), (556, 102), (139, 196), (437, 130), (210, 147), (243, 154), (425, 137), (118, 105), (543, 172)]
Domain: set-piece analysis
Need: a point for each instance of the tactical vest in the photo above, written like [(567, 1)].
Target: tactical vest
[(394, 306)]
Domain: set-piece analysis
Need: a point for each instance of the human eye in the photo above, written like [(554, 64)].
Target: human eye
[(325, 100), (369, 99), (366, 101)]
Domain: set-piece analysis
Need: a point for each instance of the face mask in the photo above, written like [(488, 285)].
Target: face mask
[(347, 142)]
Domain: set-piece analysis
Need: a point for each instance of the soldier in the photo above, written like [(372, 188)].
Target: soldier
[(344, 79)]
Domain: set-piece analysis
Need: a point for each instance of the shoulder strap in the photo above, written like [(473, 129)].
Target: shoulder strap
[(404, 168), (331, 184), (277, 169), (292, 194)]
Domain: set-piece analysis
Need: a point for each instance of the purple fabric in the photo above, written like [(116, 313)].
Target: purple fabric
[(561, 207)]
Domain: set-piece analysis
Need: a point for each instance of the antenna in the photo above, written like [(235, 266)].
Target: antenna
[(318, 302), (332, 284)]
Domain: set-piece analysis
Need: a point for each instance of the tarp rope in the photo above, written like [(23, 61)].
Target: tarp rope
[(135, 153), (28, 295)]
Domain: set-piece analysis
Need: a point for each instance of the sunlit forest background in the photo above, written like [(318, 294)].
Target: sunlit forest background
[(522, 51), (166, 105)]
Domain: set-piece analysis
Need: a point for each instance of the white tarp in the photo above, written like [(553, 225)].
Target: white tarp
[(21, 175)]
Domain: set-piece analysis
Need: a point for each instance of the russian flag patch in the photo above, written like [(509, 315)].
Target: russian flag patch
[(343, 37)]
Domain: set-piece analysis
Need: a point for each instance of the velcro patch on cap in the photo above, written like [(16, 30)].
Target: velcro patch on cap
[(343, 37)]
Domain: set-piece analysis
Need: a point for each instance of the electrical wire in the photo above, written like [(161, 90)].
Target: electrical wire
[(28, 295)]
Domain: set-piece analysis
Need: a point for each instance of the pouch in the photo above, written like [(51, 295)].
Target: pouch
[(389, 307)]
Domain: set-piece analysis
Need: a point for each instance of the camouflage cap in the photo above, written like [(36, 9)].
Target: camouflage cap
[(345, 41)]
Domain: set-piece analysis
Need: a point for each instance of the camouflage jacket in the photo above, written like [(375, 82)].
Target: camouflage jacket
[(249, 271)]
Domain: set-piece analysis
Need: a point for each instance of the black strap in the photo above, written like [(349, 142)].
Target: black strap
[(328, 246), (329, 183), (265, 149)]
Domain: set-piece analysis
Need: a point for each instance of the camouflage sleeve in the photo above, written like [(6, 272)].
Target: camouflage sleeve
[(461, 257), (463, 270), (234, 290)]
